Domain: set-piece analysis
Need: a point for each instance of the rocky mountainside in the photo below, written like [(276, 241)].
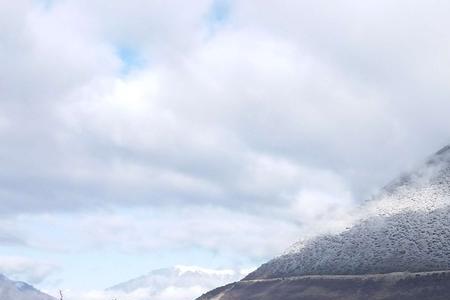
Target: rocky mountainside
[(16, 290), (404, 228)]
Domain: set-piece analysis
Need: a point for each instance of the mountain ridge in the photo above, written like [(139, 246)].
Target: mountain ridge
[(18, 290)]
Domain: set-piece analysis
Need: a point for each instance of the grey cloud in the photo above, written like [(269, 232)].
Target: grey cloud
[(271, 106)]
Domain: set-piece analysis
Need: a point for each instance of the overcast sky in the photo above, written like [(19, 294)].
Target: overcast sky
[(146, 133)]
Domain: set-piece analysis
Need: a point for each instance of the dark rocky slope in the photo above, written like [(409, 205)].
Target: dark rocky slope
[(396, 286)]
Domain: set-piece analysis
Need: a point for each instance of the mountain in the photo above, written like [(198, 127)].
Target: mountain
[(176, 283), (392, 286), (404, 228), (16, 290)]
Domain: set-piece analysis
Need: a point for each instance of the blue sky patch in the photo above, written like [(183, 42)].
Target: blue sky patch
[(131, 59), (219, 12)]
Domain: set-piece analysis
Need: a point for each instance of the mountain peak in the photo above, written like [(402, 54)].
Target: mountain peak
[(181, 269), (18, 290), (444, 150), (192, 280)]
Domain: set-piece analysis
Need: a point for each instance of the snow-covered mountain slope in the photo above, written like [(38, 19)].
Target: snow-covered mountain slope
[(16, 290), (175, 283), (424, 189), (406, 227)]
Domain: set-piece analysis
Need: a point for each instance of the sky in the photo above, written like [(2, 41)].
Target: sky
[(136, 135)]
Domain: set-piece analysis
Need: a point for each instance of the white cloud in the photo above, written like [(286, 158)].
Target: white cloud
[(203, 227), (193, 129), (323, 212), (26, 269), (148, 119), (10, 235)]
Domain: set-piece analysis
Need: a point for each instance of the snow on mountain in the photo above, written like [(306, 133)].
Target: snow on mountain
[(175, 283), (406, 227), (425, 189), (17, 290)]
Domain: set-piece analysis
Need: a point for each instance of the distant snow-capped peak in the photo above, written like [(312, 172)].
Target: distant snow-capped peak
[(181, 269), (188, 282)]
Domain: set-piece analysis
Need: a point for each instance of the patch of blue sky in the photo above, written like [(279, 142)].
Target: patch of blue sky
[(220, 11), (218, 14), (45, 4), (131, 59)]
